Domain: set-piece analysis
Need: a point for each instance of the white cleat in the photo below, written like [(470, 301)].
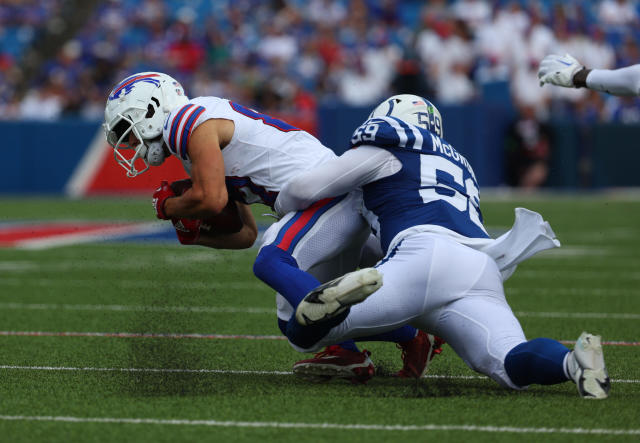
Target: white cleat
[(334, 297), (585, 366)]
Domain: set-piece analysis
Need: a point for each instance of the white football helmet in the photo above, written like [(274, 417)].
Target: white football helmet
[(140, 104), (411, 109)]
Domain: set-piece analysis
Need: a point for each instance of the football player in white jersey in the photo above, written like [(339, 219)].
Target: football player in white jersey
[(230, 150), (566, 71), (442, 272)]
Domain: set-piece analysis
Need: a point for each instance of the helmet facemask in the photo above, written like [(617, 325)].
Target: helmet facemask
[(118, 136)]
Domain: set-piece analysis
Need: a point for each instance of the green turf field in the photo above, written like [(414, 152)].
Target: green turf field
[(103, 387)]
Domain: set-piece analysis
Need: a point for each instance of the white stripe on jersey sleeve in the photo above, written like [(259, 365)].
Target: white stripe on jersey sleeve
[(417, 145), (402, 135)]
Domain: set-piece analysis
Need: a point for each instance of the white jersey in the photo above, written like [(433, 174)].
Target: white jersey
[(623, 81), (263, 154)]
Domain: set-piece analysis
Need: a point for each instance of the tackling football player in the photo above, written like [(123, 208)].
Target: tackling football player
[(568, 72), (236, 156), (442, 272)]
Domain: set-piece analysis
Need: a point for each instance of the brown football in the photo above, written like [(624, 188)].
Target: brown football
[(227, 222)]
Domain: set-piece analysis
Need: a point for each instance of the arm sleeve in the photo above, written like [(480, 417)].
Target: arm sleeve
[(623, 81), (355, 168)]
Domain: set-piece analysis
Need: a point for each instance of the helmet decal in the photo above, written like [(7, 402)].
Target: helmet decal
[(127, 84)]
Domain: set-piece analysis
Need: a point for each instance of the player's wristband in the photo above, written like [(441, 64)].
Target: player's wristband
[(580, 78)]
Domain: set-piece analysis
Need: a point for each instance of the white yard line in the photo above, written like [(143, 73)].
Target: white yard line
[(198, 285), (223, 371), (598, 315), (63, 264), (129, 284), (568, 273), (173, 335), (341, 426), (561, 291), (266, 311), (139, 335), (137, 308)]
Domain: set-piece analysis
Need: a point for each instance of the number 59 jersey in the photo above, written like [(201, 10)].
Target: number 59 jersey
[(263, 154), (435, 185)]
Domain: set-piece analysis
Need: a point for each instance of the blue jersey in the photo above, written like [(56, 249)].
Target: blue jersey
[(435, 186)]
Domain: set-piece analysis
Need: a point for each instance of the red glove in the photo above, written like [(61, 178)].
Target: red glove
[(188, 230), (160, 196)]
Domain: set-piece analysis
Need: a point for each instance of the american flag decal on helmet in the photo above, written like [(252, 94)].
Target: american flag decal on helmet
[(127, 84), (419, 102)]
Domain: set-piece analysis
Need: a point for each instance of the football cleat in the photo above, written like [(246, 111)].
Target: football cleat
[(334, 297), (585, 366), (418, 353), (336, 362)]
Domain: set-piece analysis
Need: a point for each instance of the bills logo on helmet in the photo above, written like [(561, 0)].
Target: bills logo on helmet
[(128, 83)]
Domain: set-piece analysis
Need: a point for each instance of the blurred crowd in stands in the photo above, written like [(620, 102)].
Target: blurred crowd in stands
[(287, 55)]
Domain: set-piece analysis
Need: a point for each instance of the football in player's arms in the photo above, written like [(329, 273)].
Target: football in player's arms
[(226, 222)]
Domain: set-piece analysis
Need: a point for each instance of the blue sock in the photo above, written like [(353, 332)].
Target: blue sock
[(279, 269), (308, 336), (349, 344), (537, 361)]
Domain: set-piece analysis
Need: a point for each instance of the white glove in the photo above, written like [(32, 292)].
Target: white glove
[(558, 70)]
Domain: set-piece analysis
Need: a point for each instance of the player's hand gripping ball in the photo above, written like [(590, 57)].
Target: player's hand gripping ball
[(159, 197), (226, 222)]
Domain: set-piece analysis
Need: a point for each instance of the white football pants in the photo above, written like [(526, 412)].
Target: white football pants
[(326, 240), (438, 285)]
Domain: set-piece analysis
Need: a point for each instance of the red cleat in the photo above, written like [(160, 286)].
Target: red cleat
[(417, 353), (336, 362)]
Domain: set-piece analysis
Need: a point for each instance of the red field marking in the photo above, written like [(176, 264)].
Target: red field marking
[(41, 235), (14, 234)]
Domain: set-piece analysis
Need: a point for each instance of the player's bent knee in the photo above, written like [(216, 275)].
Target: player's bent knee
[(268, 258)]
